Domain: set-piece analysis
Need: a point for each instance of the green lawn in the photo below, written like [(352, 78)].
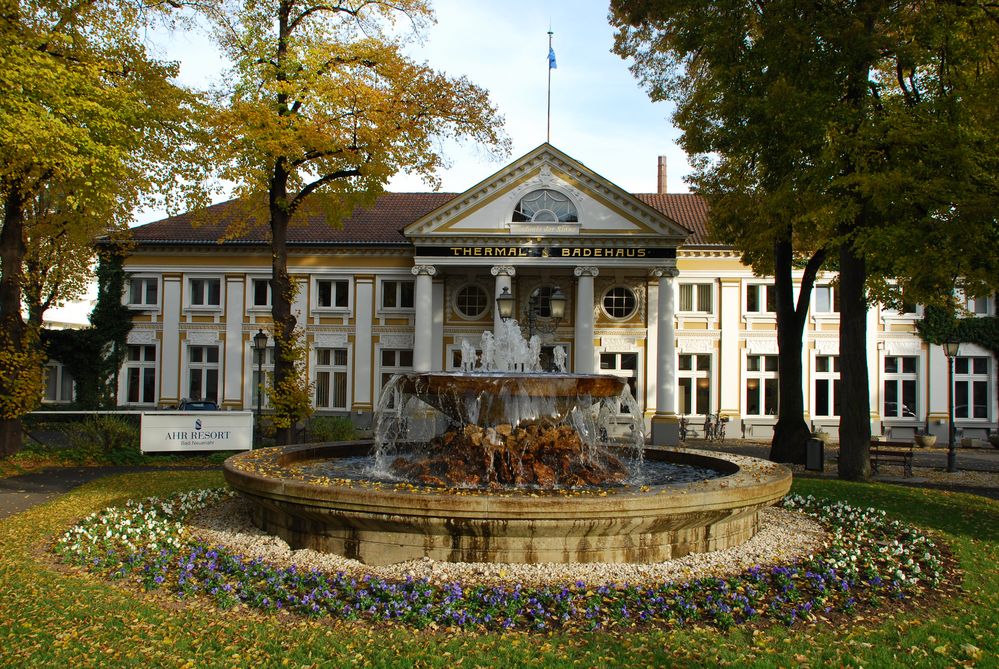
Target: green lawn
[(53, 618)]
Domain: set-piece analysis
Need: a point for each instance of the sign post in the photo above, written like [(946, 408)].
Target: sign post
[(179, 431)]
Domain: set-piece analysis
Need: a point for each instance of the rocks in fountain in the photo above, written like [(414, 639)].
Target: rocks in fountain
[(539, 453)]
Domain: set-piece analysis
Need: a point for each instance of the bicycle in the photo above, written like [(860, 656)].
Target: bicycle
[(683, 428)]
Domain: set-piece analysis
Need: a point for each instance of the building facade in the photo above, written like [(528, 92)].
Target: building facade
[(401, 285)]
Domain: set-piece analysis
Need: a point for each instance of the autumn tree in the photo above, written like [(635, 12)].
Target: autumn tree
[(85, 113), (322, 109), (865, 124)]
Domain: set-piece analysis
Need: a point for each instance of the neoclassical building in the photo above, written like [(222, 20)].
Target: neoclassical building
[(402, 284)]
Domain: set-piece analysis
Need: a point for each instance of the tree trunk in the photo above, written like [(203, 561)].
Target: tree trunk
[(12, 329), (855, 396), (281, 289), (791, 432)]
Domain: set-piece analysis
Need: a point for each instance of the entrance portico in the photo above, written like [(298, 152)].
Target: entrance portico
[(546, 222)]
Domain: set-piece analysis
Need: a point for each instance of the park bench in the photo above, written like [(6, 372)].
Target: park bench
[(891, 452)]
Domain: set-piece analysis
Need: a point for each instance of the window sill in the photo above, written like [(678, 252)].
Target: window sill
[(210, 309), (757, 317), (143, 307)]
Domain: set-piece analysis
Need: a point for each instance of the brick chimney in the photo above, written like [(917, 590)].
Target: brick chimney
[(661, 187)]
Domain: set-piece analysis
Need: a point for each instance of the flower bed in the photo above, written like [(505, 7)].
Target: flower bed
[(870, 560)]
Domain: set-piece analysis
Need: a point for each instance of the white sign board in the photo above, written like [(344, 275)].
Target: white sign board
[(170, 431)]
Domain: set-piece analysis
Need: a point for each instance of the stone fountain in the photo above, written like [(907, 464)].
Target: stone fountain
[(502, 462)]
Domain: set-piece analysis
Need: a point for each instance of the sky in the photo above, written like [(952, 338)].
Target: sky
[(599, 113)]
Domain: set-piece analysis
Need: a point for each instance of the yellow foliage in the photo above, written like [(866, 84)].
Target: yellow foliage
[(21, 375)]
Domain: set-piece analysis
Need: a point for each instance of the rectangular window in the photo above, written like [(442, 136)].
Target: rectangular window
[(694, 381), (58, 383), (143, 291), (826, 300), (695, 297), (332, 293), (203, 373), (978, 305), (263, 372), (205, 292), (331, 378), (971, 387), (395, 361), (900, 386), (623, 365), (761, 298), (397, 294), (261, 292), (140, 374), (761, 385), (827, 395)]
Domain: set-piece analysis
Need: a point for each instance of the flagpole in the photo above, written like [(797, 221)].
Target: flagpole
[(548, 136)]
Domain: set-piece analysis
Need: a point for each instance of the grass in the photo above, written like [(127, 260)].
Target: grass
[(51, 617)]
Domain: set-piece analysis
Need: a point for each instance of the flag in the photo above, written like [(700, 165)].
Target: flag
[(551, 59)]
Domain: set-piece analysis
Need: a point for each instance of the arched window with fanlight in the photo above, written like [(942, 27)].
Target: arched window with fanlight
[(545, 206)]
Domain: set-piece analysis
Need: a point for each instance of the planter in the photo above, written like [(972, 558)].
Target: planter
[(926, 440)]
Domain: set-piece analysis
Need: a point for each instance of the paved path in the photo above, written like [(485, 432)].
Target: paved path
[(19, 493)]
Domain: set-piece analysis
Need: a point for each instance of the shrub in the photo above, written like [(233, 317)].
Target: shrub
[(107, 438), (329, 428)]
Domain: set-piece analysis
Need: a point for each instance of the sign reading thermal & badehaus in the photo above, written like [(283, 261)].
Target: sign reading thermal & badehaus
[(164, 431)]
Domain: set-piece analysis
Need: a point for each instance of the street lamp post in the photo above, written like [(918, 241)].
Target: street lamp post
[(556, 310), (951, 347), (260, 347)]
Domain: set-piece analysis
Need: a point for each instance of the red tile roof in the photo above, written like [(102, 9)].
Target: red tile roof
[(381, 224)]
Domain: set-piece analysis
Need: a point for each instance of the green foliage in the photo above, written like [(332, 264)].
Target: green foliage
[(94, 355), (106, 438), (330, 428), (939, 324)]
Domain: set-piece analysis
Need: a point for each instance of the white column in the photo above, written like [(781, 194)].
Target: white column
[(504, 279), (364, 304), (170, 350), (583, 362), (235, 344), (874, 369), (729, 363), (936, 385), (437, 350), (423, 302), (665, 427)]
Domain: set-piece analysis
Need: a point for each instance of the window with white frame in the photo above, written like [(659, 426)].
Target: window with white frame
[(978, 305), (696, 298), (261, 289), (826, 380), (825, 300), (761, 298), (204, 292), (623, 365), (59, 385), (203, 373), (971, 387), (901, 377), (761, 385), (694, 382), (397, 294), (331, 378), (471, 301), (140, 374), (143, 291), (620, 302), (263, 372), (333, 293), (395, 361)]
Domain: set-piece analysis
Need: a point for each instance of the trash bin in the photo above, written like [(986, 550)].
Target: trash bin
[(815, 455)]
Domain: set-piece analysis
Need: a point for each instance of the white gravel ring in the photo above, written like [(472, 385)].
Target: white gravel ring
[(784, 536)]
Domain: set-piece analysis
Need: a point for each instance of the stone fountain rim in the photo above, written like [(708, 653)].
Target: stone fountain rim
[(752, 481)]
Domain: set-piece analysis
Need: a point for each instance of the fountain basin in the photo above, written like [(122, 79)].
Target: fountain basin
[(383, 523)]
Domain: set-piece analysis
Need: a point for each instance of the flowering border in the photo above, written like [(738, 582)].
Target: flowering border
[(870, 560)]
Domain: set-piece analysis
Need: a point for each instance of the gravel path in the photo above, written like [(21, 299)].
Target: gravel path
[(784, 536)]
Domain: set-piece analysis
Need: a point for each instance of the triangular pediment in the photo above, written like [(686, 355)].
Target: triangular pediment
[(604, 210)]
